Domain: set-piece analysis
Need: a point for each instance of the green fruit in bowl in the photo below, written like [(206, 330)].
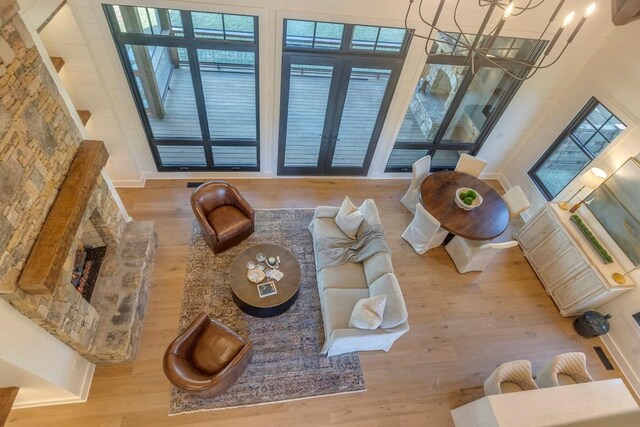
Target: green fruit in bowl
[(472, 194), (462, 195), (468, 201)]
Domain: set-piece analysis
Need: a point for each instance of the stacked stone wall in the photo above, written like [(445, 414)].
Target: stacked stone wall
[(38, 141)]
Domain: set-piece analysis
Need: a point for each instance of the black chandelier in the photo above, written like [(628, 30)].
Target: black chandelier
[(475, 49)]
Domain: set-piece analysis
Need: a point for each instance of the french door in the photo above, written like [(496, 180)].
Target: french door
[(332, 110)]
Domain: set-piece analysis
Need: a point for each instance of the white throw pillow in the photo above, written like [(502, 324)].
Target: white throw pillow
[(395, 312), (367, 314), (349, 218)]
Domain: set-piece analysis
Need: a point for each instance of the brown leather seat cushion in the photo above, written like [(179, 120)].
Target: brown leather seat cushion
[(214, 350), (228, 221)]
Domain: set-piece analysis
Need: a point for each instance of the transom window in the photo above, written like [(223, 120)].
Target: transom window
[(588, 134), (334, 36), (194, 78)]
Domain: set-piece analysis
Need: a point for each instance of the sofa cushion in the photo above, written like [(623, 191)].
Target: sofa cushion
[(370, 212), (346, 276), (337, 306), (367, 314), (349, 218), (377, 266), (395, 311), (326, 227)]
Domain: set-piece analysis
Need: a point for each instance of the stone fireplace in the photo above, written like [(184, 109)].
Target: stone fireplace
[(54, 201)]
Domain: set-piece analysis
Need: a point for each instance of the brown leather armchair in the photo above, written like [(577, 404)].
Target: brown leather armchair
[(207, 358), (225, 216)]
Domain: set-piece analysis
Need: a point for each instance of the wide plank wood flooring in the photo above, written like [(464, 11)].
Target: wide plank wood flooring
[(462, 326)]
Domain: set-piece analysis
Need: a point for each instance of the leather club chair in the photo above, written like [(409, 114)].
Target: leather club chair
[(207, 358), (225, 217)]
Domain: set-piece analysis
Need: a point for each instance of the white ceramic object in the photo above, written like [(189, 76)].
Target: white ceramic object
[(256, 275), (476, 202)]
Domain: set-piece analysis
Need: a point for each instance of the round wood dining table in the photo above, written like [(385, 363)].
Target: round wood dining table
[(487, 221)]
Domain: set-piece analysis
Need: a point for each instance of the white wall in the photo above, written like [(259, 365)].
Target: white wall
[(47, 371), (38, 11), (95, 79), (613, 76)]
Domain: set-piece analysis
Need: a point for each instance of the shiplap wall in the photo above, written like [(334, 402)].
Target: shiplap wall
[(613, 76)]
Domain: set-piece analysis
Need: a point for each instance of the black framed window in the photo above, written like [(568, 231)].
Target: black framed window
[(351, 71), (194, 78), (300, 34), (453, 109), (588, 134)]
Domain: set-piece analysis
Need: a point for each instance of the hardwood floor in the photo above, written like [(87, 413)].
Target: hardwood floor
[(462, 326)]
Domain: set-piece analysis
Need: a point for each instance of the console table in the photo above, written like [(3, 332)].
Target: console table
[(571, 271)]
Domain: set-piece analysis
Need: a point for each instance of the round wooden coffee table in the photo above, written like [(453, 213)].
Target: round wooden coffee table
[(245, 292), (487, 221)]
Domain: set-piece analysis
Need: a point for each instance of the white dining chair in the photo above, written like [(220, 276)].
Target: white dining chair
[(424, 232), (419, 171), (510, 377), (470, 165), (471, 255), (516, 201), (564, 369)]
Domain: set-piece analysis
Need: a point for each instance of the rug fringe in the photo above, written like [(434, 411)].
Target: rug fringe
[(265, 403)]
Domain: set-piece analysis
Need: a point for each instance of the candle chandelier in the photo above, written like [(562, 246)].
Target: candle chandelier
[(481, 44)]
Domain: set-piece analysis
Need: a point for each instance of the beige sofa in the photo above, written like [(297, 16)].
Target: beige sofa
[(341, 287)]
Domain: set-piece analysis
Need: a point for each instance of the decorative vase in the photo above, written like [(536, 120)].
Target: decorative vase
[(592, 324)]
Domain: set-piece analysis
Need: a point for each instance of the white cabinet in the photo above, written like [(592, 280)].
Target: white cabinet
[(564, 264)]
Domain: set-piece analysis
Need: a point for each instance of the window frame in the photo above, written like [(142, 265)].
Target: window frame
[(347, 39), (191, 43), (567, 133), (473, 148)]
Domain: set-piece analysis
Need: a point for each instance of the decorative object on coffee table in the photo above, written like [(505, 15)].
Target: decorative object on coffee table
[(225, 217), (592, 324), (245, 293)]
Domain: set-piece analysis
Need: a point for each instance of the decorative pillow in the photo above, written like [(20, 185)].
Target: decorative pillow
[(349, 218), (370, 212), (395, 312), (367, 314)]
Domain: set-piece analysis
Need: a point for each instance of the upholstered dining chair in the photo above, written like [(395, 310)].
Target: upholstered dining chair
[(565, 368), (510, 377), (424, 232), (419, 171), (516, 201), (470, 165), (471, 255), (207, 358), (225, 217)]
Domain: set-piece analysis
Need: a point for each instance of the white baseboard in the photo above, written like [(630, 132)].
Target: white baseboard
[(629, 374), (84, 394), (128, 183), (499, 176)]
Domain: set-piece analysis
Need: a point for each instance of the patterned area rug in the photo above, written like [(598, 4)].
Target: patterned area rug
[(287, 363)]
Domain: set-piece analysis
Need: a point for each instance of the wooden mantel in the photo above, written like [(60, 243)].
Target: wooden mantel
[(42, 271)]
